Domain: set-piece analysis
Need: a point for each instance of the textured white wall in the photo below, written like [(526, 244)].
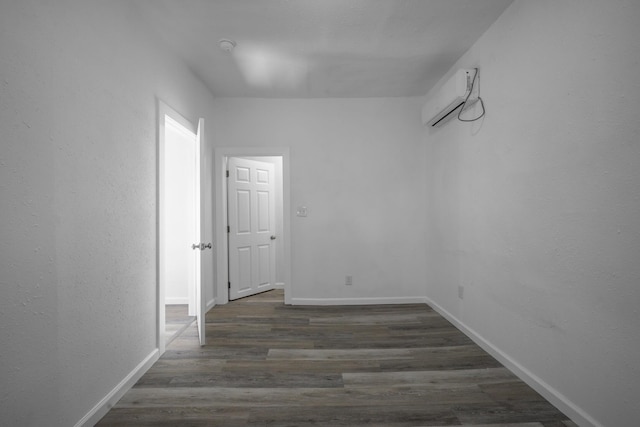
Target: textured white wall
[(357, 164), (78, 88), (536, 209)]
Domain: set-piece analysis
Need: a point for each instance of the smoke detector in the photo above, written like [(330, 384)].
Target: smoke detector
[(227, 45)]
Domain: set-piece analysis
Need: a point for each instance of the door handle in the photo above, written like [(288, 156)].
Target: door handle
[(201, 246), (273, 237)]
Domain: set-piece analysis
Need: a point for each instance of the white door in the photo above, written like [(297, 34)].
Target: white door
[(199, 232), (251, 227)]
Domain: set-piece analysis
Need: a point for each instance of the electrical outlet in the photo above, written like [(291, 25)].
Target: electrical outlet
[(348, 280), (461, 292)]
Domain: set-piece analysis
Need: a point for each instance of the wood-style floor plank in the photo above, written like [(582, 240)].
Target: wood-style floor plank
[(268, 364)]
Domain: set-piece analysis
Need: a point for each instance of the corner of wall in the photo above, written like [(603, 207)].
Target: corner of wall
[(556, 398)]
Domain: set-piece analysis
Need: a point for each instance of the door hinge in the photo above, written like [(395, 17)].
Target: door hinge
[(227, 174), (228, 229)]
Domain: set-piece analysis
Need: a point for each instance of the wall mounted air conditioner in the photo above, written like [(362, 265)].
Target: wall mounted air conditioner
[(444, 104)]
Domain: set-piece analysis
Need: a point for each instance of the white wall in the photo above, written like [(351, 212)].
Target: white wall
[(357, 164), (180, 225), (78, 88), (536, 209)]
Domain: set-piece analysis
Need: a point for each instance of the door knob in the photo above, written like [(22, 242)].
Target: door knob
[(201, 246), (273, 237)]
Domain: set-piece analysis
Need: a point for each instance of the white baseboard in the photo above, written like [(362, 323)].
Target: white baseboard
[(279, 285), (560, 401), (357, 301), (210, 304), (102, 407), (176, 300)]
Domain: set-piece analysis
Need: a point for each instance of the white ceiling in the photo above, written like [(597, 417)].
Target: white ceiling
[(320, 48)]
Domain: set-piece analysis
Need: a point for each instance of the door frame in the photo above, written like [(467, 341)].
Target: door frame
[(221, 154), (162, 110)]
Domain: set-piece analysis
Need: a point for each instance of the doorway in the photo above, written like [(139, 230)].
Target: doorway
[(254, 222), (279, 157), (179, 227), (181, 209)]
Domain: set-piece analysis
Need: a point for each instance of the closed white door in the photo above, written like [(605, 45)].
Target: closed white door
[(251, 227)]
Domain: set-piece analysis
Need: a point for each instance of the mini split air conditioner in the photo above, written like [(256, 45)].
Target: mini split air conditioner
[(443, 105)]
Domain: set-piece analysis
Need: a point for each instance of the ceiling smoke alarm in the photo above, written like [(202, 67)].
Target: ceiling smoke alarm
[(227, 45)]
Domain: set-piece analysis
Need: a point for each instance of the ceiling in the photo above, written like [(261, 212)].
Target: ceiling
[(320, 48)]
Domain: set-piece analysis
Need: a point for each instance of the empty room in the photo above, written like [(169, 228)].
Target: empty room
[(401, 213)]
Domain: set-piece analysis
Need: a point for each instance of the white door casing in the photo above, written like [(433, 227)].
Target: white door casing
[(251, 227), (221, 156)]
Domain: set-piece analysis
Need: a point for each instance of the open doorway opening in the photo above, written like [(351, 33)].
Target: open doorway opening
[(180, 246), (233, 278), (181, 213)]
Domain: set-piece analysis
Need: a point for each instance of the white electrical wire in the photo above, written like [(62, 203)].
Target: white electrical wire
[(464, 104)]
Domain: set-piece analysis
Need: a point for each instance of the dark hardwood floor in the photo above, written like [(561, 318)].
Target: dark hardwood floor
[(267, 364)]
